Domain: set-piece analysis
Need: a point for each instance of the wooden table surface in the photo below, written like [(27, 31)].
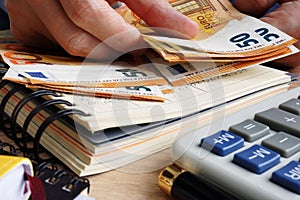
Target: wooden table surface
[(135, 181)]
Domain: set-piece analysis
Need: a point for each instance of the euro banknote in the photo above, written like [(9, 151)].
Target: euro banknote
[(225, 35)]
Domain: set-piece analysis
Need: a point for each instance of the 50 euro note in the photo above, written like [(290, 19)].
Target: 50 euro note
[(183, 73), (144, 93), (187, 55), (224, 30), (225, 34), (228, 41), (233, 43), (40, 68), (120, 80)]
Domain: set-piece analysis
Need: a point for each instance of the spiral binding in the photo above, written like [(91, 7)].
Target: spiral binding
[(60, 182), (3, 83), (29, 152), (47, 122), (6, 119), (3, 104), (39, 169), (7, 149), (3, 69), (18, 108), (10, 127), (19, 133)]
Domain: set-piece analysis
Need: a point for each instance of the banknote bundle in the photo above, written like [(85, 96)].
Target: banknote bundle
[(64, 73), (228, 40), (226, 35)]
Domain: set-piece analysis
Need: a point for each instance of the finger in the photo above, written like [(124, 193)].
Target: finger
[(286, 18), (24, 25), (72, 38), (256, 8), (99, 19), (159, 13)]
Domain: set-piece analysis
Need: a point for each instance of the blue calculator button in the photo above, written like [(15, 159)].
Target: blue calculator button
[(222, 143), (288, 176), (257, 159)]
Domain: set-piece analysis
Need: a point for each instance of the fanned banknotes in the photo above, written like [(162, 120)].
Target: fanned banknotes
[(120, 79), (42, 68), (228, 41), (145, 93), (225, 33), (182, 73)]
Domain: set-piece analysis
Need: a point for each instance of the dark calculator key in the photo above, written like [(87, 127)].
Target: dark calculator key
[(280, 120), (285, 144), (292, 106), (250, 130)]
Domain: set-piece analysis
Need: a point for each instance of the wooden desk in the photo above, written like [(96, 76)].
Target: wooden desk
[(132, 182), (138, 180)]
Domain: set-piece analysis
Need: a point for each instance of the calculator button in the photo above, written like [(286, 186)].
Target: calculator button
[(288, 176), (257, 159), (284, 144), (222, 143), (250, 130), (280, 120), (292, 106)]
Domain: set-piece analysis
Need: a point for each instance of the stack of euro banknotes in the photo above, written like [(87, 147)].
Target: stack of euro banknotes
[(228, 41)]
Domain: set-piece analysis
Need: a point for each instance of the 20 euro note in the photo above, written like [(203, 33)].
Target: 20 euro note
[(48, 69), (145, 93)]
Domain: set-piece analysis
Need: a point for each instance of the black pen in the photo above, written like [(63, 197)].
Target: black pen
[(183, 185)]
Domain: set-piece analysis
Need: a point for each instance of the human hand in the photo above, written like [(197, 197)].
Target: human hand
[(78, 26), (285, 18)]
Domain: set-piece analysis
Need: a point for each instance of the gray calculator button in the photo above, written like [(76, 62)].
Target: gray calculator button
[(292, 106), (250, 130), (284, 144), (280, 120)]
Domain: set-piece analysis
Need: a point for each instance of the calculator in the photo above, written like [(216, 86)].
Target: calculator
[(251, 154)]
